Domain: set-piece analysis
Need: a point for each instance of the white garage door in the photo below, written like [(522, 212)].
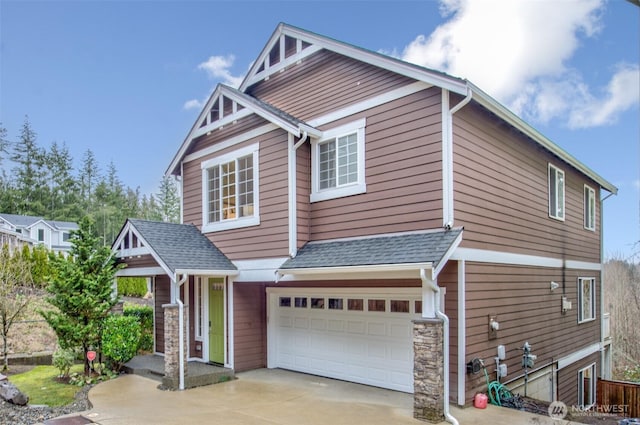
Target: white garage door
[(353, 336)]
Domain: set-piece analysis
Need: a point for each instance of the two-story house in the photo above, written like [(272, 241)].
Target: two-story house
[(341, 205), (38, 231)]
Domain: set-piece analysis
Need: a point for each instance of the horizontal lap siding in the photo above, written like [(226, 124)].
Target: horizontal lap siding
[(250, 326), (501, 194), (228, 131), (568, 379), (162, 296), (135, 262), (403, 160), (303, 189), (527, 311), (448, 279), (323, 83), (270, 238)]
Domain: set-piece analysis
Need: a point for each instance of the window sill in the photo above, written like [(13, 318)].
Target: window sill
[(586, 320), (340, 192), (231, 224)]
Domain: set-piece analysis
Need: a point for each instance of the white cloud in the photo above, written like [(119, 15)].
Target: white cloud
[(218, 67), (193, 104), (519, 52)]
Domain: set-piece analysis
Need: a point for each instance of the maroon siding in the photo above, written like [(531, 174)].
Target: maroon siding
[(501, 193), (568, 379), (250, 326), (270, 238), (323, 83), (448, 279), (403, 173), (527, 311), (162, 296)]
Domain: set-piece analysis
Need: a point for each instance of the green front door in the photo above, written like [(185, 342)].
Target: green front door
[(216, 320)]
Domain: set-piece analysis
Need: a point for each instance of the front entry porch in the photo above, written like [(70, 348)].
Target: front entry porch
[(198, 373)]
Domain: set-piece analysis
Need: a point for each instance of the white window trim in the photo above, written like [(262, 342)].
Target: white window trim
[(346, 190), (581, 318), (238, 222), (198, 301), (592, 366), (587, 205), (557, 170)]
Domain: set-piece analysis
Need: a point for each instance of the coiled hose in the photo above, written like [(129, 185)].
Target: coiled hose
[(496, 391)]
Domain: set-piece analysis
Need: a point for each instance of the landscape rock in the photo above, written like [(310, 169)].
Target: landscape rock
[(3, 377), (12, 394)]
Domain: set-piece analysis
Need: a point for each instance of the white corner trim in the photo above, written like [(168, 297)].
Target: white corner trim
[(578, 355), (462, 333), (447, 160)]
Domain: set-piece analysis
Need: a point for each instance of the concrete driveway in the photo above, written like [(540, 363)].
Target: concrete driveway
[(268, 397)]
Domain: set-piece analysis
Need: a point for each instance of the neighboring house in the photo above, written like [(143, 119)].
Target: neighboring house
[(38, 231), (346, 199)]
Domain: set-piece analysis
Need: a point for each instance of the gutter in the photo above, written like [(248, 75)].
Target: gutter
[(293, 221), (181, 331), (602, 351), (436, 289)]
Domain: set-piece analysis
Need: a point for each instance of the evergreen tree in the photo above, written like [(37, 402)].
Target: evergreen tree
[(89, 174), (62, 184), (81, 290), (169, 201), (4, 143), (29, 172)]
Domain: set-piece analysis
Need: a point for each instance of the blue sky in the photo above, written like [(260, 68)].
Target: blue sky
[(126, 78)]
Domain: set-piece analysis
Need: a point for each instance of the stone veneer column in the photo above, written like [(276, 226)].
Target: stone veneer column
[(172, 344), (428, 370)]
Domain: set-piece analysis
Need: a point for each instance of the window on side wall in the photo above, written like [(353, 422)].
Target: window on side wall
[(338, 162), (230, 190), (40, 235), (586, 299), (556, 193), (587, 386), (589, 208)]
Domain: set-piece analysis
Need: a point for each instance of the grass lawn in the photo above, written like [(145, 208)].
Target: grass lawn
[(41, 386)]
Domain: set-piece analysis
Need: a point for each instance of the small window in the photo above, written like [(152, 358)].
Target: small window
[(589, 208), (65, 236), (355, 304), (556, 193), (587, 386), (285, 301), (399, 306), (335, 303), (338, 162), (377, 305), (586, 299), (317, 302), (40, 235), (301, 302)]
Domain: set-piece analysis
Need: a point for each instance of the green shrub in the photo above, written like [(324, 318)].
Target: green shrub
[(63, 360), (120, 338), (132, 286), (144, 315)]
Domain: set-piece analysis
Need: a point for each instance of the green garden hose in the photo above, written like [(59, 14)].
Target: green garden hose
[(496, 391)]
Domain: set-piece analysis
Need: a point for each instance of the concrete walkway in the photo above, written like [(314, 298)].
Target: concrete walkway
[(273, 397)]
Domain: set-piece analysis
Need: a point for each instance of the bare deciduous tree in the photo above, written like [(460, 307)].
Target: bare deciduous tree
[(16, 291)]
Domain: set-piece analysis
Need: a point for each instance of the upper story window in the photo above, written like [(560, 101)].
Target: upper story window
[(589, 208), (338, 162), (230, 190), (586, 299), (65, 236), (40, 235), (556, 193)]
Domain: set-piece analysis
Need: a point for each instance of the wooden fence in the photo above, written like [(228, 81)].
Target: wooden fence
[(611, 393)]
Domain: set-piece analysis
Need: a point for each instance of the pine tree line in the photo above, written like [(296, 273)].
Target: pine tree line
[(42, 182)]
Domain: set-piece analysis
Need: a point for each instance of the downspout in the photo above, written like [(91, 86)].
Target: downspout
[(445, 335), (602, 351), (293, 221), (181, 331)]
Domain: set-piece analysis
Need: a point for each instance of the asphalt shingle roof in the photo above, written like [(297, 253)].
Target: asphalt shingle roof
[(182, 246), (428, 247)]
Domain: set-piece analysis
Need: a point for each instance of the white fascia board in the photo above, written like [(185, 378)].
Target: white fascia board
[(121, 236), (395, 65), (133, 252), (205, 272), (578, 355), (154, 254), (141, 271), (40, 221), (499, 257), (582, 265), (258, 270), (357, 269), (187, 141), (447, 255), (502, 112)]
